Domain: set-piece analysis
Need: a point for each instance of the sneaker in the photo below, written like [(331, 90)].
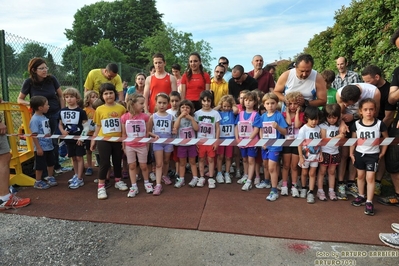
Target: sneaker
[(95, 180), (153, 177), (121, 186), (157, 190), (232, 169), (211, 183), (166, 180), (304, 191), (89, 171), (242, 180), (148, 188), (179, 182), (359, 201), (227, 178), (369, 209), (133, 192), (272, 196), (395, 227), (332, 195), (58, 171), (238, 174), (75, 176), (14, 202), (51, 181), (76, 184), (353, 190), (321, 196), (193, 182), (389, 201), (41, 185), (264, 184), (310, 198), (389, 239), (294, 192), (279, 184), (201, 182), (377, 189), (247, 186), (219, 178), (102, 193), (284, 191), (257, 180), (342, 192)]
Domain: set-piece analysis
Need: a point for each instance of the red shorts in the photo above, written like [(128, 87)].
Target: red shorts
[(226, 151), (206, 151)]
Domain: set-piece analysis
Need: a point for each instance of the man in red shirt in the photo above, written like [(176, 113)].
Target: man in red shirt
[(264, 78)]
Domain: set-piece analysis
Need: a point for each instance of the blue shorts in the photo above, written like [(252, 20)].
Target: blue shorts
[(249, 152), (162, 147), (270, 155)]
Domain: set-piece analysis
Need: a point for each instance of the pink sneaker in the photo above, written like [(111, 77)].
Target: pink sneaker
[(166, 180), (157, 190)]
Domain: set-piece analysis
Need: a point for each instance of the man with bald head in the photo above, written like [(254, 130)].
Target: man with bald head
[(264, 78), (241, 81), (344, 76)]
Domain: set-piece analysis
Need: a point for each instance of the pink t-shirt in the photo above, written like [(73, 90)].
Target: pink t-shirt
[(135, 127)]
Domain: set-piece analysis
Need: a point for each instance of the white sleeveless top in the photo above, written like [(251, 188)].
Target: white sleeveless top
[(305, 86)]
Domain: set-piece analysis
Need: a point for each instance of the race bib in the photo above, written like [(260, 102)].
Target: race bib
[(163, 126), (205, 130), (46, 127), (226, 131), (111, 125), (292, 132), (135, 128), (70, 117), (268, 132), (244, 129), (92, 125), (186, 133)]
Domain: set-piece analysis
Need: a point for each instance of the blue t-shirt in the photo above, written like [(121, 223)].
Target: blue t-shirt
[(257, 122), (39, 124), (267, 132), (227, 123)]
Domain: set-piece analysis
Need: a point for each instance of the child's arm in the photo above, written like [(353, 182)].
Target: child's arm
[(124, 135), (254, 133), (236, 132), (298, 122), (217, 135), (176, 125), (235, 109), (288, 117), (352, 148), (282, 130), (61, 128), (193, 122), (216, 108), (95, 134), (39, 150), (150, 125)]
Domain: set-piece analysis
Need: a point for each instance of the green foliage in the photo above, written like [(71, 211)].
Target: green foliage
[(29, 51)]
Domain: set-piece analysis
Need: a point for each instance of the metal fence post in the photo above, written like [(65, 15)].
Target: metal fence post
[(4, 79), (81, 89)]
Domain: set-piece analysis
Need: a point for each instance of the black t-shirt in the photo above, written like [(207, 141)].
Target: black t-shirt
[(384, 104), (248, 84), (72, 120)]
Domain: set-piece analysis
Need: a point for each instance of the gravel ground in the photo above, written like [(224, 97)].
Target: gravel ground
[(42, 241)]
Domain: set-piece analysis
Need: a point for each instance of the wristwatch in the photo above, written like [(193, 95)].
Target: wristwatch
[(306, 104)]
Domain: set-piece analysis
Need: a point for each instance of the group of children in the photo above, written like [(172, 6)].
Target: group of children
[(256, 117)]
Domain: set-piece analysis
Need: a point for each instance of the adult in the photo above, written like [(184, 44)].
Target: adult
[(306, 80), (7, 199), (219, 86), (125, 86), (109, 74), (264, 78), (41, 83), (176, 68), (272, 70), (348, 97), (138, 86), (241, 81), (160, 81), (194, 81), (225, 62), (344, 76), (152, 70)]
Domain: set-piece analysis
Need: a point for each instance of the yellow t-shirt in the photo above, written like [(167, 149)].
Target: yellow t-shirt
[(95, 78), (219, 90), (108, 118)]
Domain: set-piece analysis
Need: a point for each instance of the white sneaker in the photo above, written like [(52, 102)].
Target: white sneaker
[(201, 182), (310, 198), (238, 174), (121, 186), (257, 180), (193, 182), (242, 180), (272, 196), (211, 183), (227, 178), (284, 191), (231, 169), (148, 187), (294, 192), (279, 184), (73, 179), (133, 192), (153, 177), (395, 227), (102, 193), (304, 191), (247, 186), (219, 178), (179, 182), (264, 184)]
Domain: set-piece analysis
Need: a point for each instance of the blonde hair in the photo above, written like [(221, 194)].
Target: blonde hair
[(270, 95), (72, 92), (226, 98), (293, 96), (131, 100), (87, 97)]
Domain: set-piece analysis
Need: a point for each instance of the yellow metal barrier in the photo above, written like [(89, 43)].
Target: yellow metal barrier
[(23, 155)]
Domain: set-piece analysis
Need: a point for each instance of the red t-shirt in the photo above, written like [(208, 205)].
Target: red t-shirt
[(196, 85), (157, 86)]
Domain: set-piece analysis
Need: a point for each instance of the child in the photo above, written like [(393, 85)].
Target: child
[(236, 150), (175, 99), (108, 124), (273, 127), (309, 156), (295, 119), (227, 110), (160, 125), (331, 155), (72, 118), (89, 99), (134, 125), (329, 77), (258, 159), (185, 127), (366, 158), (247, 127), (39, 124), (208, 127)]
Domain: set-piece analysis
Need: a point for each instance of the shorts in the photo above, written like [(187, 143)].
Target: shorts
[(44, 161), (270, 155), (162, 147), (74, 149), (290, 150), (226, 151), (174, 154), (249, 152), (4, 147), (141, 153), (87, 144), (187, 151), (206, 151), (331, 159), (367, 162), (308, 164)]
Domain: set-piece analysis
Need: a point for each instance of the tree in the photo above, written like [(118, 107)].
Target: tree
[(29, 51)]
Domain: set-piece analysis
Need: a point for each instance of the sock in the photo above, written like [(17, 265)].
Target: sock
[(320, 190), (267, 181), (361, 196), (258, 177), (285, 183), (134, 185), (101, 185), (5, 197), (274, 189), (249, 181), (369, 201), (219, 172), (195, 177), (117, 179), (146, 181), (330, 189)]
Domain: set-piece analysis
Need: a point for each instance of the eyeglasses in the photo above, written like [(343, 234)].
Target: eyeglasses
[(42, 68), (219, 72), (222, 63), (238, 78)]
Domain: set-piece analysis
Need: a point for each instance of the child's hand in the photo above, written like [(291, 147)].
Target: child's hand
[(64, 132), (39, 151), (93, 145), (352, 156), (301, 162), (215, 147), (298, 110), (174, 131), (321, 157), (264, 147), (274, 124), (79, 143)]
